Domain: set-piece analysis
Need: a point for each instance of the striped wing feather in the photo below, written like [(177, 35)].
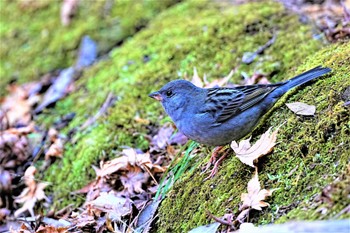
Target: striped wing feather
[(225, 103)]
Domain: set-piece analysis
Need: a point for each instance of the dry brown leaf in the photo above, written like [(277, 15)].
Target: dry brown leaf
[(14, 145), (220, 82), (22, 229), (133, 181), (196, 80), (302, 108), (51, 229), (15, 107), (109, 167), (199, 82), (55, 150), (130, 158), (83, 219), (162, 138), (255, 196), (247, 153), (22, 130), (111, 203), (68, 9), (256, 78), (30, 195)]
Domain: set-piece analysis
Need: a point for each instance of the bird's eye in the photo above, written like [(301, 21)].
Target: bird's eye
[(169, 93)]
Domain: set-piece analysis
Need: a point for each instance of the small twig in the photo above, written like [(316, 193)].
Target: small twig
[(251, 56), (219, 220), (345, 210), (110, 99), (149, 172)]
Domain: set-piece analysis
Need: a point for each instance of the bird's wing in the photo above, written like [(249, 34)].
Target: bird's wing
[(224, 103)]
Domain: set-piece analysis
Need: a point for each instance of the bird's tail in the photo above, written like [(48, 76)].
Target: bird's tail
[(306, 76), (301, 79)]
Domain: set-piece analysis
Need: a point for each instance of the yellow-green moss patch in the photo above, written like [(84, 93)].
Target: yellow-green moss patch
[(34, 42)]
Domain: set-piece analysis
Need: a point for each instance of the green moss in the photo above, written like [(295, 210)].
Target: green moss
[(310, 154), (34, 42), (191, 34)]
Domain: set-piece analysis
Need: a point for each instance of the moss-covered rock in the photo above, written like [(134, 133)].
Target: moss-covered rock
[(34, 42), (210, 36), (311, 153)]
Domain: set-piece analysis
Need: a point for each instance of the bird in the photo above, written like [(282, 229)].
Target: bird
[(217, 116)]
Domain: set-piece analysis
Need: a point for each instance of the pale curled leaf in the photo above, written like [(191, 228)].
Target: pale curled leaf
[(15, 108), (302, 108), (203, 82), (55, 150), (130, 159), (68, 9), (255, 197), (196, 80), (111, 203), (30, 195), (247, 153)]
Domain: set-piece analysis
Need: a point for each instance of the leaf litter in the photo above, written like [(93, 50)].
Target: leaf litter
[(133, 169), (248, 153), (107, 208), (303, 109)]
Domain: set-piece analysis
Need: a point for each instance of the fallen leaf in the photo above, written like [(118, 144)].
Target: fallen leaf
[(5, 182), (220, 82), (256, 78), (133, 181), (196, 80), (115, 206), (22, 229), (302, 108), (57, 145), (203, 82), (51, 229), (22, 130), (32, 194), (255, 196), (146, 216), (161, 139), (58, 89), (247, 153), (4, 212), (15, 108), (87, 52), (68, 9), (55, 150), (14, 146)]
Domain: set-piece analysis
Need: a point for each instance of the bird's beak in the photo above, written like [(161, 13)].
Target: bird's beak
[(156, 95)]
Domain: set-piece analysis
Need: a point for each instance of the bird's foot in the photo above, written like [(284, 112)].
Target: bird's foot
[(214, 161)]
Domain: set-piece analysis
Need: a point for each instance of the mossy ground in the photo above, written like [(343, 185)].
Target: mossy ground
[(212, 36), (311, 153), (34, 42), (203, 37)]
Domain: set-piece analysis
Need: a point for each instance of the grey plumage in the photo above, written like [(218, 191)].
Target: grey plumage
[(217, 116)]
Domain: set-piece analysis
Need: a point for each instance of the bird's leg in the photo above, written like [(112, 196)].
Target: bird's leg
[(213, 160), (216, 166)]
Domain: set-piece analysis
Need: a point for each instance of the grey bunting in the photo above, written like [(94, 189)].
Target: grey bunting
[(217, 116)]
